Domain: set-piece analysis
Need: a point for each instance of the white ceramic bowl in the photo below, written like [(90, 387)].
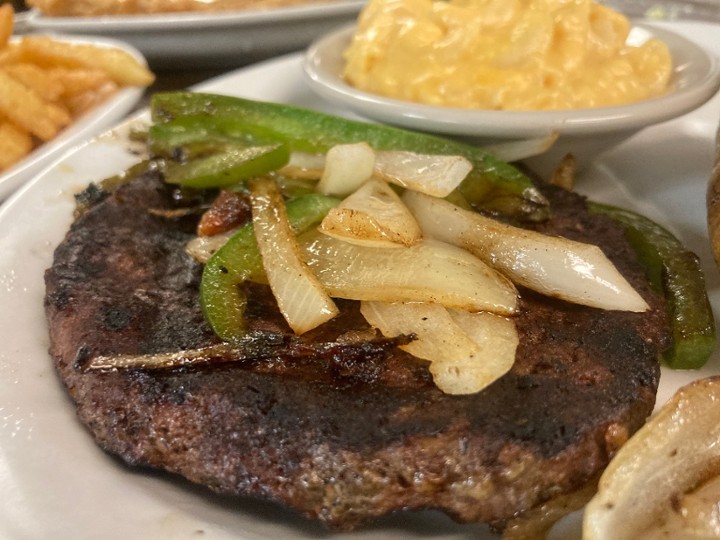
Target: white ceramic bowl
[(584, 132)]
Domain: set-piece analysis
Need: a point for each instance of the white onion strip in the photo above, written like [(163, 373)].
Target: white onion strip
[(436, 175), (554, 266), (201, 248), (304, 165), (374, 215), (300, 297), (665, 466), (467, 351), (429, 271), (347, 167)]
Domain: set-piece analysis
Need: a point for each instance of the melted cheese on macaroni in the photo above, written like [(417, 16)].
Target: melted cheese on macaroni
[(503, 54)]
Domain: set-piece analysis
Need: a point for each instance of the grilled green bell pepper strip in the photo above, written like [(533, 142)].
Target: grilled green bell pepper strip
[(194, 135), (227, 167), (492, 184), (675, 272), (221, 297)]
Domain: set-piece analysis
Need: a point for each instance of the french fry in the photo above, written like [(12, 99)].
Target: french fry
[(41, 81), (120, 66), (84, 101), (15, 144), (78, 81), (10, 54), (23, 107), (83, 88), (7, 22)]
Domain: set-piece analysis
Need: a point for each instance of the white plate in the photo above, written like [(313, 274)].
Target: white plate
[(95, 121), (55, 483), (587, 132), (208, 40)]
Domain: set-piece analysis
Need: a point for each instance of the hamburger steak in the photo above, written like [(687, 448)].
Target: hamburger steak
[(338, 424)]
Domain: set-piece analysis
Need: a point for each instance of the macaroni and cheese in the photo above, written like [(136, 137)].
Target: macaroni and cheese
[(503, 54)]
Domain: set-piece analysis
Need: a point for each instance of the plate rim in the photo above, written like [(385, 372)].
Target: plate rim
[(35, 20)]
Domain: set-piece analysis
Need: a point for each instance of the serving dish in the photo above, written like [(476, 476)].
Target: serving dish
[(587, 132), (55, 483), (209, 39), (93, 122)]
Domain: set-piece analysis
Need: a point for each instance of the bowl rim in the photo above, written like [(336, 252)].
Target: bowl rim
[(696, 78)]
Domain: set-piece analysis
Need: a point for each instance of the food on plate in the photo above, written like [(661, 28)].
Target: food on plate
[(95, 8), (46, 84), (675, 270), (497, 55), (664, 482), (344, 380)]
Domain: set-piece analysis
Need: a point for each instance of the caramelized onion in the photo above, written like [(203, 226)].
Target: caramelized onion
[(555, 266), (467, 351), (201, 248), (373, 215), (347, 166), (254, 347), (429, 271), (436, 175), (304, 165), (300, 297), (660, 476)]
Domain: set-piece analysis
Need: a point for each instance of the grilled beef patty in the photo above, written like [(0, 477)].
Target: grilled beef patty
[(355, 429)]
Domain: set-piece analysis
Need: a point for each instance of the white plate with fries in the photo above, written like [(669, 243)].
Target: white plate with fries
[(55, 483), (56, 92), (210, 39)]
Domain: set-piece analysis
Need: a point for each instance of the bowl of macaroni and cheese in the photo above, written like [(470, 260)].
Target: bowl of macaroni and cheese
[(493, 71)]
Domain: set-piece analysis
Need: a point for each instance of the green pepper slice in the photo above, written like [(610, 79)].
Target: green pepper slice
[(221, 297), (192, 135), (492, 184), (227, 167), (675, 272)]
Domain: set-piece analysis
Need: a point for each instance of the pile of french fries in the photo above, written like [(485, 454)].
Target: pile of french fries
[(46, 83)]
